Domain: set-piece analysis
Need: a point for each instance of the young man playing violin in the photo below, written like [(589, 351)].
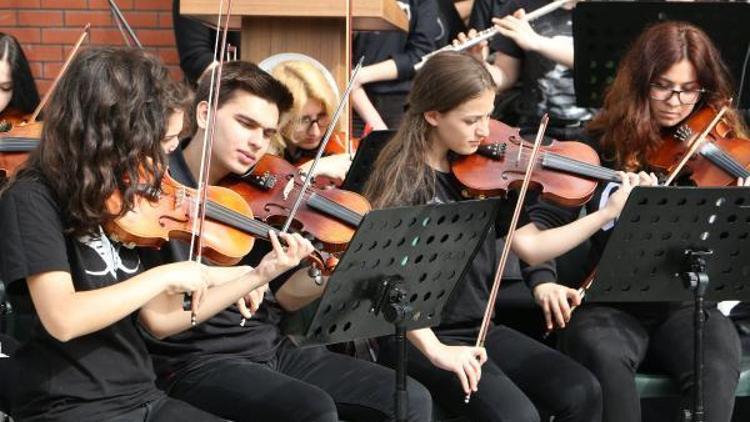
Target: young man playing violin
[(237, 364)]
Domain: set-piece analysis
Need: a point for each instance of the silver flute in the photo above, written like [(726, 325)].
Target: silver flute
[(492, 31)]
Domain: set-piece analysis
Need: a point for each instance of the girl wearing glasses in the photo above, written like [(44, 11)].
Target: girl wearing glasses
[(314, 104), (672, 69)]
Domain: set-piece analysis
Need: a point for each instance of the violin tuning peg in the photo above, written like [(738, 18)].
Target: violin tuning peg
[(316, 275)]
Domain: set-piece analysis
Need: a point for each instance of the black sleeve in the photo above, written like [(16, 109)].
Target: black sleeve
[(31, 233), (423, 30), (534, 275), (546, 215), (195, 43), (481, 14), (504, 44)]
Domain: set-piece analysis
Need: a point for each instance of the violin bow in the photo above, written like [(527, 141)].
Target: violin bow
[(697, 143), (51, 89), (348, 60), (199, 210), (322, 146), (123, 26), (484, 328)]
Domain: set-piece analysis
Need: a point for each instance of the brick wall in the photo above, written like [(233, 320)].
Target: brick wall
[(48, 29)]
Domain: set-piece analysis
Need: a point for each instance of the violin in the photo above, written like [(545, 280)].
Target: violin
[(229, 230), (17, 139), (337, 145), (720, 161), (329, 216), (566, 173)]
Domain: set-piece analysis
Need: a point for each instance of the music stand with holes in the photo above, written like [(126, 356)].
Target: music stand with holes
[(397, 274), (603, 31), (668, 244)]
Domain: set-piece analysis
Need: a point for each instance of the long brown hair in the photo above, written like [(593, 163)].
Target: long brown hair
[(401, 175), (626, 128), (104, 123)]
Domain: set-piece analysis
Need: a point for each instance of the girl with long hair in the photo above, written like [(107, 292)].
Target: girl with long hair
[(111, 119), (17, 89), (671, 70), (448, 114)]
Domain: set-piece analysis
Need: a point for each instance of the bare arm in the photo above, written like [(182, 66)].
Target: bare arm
[(535, 246), (299, 291), (163, 316), (517, 28), (366, 110), (66, 313), (464, 361)]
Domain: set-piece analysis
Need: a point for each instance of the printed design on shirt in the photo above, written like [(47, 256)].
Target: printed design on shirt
[(606, 193), (109, 254)]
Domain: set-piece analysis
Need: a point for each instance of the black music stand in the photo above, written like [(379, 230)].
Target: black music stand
[(678, 244), (398, 272), (603, 31)]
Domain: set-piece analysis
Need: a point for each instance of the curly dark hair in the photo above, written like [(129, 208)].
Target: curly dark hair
[(25, 95), (103, 127)]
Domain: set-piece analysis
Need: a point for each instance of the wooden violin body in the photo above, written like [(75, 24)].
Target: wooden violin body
[(330, 216), (337, 145), (168, 214), (566, 172), (719, 161), (16, 143)]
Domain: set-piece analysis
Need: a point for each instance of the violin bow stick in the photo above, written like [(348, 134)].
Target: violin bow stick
[(322, 145), (123, 26), (697, 143), (483, 329), (51, 89), (199, 211), (492, 31)]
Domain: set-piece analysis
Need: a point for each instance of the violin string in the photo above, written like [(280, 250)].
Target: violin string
[(334, 208), (726, 162), (573, 165), (235, 218)]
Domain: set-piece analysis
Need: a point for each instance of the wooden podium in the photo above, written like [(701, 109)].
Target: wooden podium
[(316, 28)]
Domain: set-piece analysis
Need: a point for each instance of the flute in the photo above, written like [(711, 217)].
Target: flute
[(492, 31)]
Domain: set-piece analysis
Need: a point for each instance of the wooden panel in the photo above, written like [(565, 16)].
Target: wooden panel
[(319, 38), (368, 14)]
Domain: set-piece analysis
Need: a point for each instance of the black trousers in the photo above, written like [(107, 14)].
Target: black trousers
[(615, 342), (310, 384), (166, 409), (519, 376)]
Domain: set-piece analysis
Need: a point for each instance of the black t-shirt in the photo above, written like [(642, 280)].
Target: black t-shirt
[(465, 308), (405, 48), (547, 87), (92, 377), (222, 334)]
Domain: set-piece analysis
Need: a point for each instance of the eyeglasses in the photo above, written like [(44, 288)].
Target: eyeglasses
[(686, 97), (305, 122)]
